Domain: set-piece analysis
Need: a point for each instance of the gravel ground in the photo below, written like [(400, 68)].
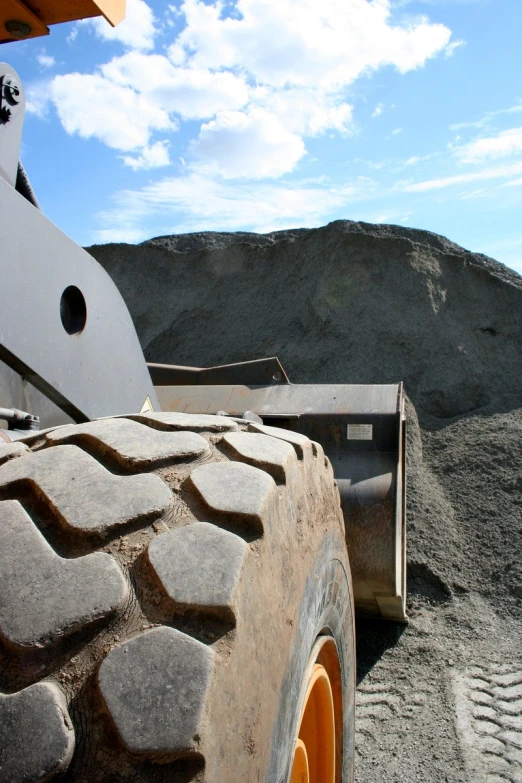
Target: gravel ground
[(440, 699)]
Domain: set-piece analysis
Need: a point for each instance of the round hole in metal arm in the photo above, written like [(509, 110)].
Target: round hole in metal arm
[(73, 310)]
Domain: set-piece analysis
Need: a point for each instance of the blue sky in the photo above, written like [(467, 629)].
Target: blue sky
[(269, 114)]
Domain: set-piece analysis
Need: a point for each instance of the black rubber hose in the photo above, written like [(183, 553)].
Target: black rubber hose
[(24, 187)]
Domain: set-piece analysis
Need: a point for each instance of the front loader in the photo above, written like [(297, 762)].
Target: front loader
[(182, 547)]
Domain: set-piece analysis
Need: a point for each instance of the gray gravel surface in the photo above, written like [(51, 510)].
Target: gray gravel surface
[(440, 699)]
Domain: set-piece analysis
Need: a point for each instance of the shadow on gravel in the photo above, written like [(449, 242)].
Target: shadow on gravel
[(373, 638)]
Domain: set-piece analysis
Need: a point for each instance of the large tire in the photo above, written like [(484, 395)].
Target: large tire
[(164, 581)]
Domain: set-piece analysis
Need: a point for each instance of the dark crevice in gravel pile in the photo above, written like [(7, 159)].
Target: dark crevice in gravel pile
[(361, 303)]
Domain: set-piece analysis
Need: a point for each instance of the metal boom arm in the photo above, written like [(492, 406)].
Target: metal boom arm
[(78, 344)]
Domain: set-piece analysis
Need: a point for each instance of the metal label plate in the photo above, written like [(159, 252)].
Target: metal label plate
[(360, 432)]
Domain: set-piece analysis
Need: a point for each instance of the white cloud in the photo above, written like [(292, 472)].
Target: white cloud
[(137, 31), (253, 144), (378, 110), (91, 106), (496, 172), (190, 92), (415, 159), (153, 157), (262, 76), (45, 60), (487, 118), (503, 144), (121, 234), (38, 97), (325, 45), (473, 194), (374, 165), (304, 110), (213, 205), (452, 47), (516, 109), (394, 165), (400, 3)]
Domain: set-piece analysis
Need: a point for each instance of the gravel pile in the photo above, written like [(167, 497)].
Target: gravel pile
[(440, 700)]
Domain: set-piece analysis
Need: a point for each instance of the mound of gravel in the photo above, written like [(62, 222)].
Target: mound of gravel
[(350, 303), (360, 303)]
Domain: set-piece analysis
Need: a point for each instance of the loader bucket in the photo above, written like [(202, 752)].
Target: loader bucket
[(362, 431)]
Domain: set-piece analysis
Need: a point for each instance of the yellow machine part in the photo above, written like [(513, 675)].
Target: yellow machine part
[(314, 754), (22, 19)]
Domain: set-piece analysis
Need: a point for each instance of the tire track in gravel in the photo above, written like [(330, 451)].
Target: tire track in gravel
[(488, 701), (441, 702), (405, 730), (383, 701)]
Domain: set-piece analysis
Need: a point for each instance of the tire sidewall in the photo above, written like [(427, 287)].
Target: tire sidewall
[(326, 609)]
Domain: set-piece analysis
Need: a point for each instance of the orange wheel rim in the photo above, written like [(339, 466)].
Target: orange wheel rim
[(315, 753), (300, 769)]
